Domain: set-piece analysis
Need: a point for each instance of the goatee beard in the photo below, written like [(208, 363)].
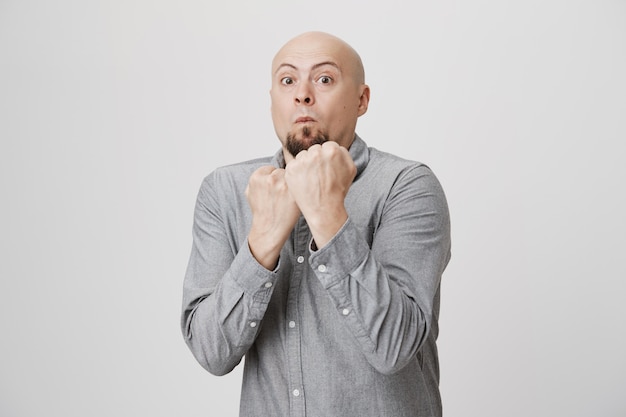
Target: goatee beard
[(307, 139)]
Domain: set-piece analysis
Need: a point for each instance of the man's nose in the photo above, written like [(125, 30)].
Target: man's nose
[(304, 95)]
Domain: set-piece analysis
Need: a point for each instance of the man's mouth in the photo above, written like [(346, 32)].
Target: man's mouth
[(304, 119)]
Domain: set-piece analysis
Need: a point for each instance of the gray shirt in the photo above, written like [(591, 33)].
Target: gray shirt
[(347, 330)]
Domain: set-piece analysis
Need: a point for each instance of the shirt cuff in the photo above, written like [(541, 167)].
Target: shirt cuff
[(254, 279), (339, 257)]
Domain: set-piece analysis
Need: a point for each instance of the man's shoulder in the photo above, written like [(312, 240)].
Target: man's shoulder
[(233, 177), (388, 169), (246, 165), (378, 158), (241, 168)]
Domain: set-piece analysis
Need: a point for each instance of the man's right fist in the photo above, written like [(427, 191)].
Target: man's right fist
[(274, 214)]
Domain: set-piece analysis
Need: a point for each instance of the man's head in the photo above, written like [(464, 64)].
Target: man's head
[(318, 92)]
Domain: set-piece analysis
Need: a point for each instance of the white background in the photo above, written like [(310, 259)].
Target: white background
[(112, 112)]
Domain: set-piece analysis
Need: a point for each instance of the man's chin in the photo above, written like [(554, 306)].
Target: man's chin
[(303, 140), (309, 141)]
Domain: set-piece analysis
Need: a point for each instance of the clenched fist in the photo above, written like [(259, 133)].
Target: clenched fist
[(318, 180), (274, 214)]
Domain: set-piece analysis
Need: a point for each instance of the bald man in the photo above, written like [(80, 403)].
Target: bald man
[(322, 263)]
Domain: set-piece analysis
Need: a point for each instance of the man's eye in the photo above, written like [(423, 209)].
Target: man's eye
[(286, 81), (325, 79)]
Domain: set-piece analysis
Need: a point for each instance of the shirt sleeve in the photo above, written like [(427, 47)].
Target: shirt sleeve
[(385, 293), (225, 291)]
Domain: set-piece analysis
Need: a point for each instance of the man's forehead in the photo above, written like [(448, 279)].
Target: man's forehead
[(311, 50)]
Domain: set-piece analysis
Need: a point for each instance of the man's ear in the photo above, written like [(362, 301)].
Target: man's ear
[(364, 99)]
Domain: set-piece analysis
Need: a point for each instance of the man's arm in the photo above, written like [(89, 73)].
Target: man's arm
[(385, 294), (226, 291)]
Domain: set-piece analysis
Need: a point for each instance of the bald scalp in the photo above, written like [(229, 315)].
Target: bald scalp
[(317, 42)]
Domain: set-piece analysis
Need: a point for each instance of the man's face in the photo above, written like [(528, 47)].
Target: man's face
[(317, 93)]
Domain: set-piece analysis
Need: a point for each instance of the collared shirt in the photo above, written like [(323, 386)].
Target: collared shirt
[(347, 330)]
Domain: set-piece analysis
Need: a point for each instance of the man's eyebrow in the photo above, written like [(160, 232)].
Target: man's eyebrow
[(314, 67), (284, 65), (321, 64)]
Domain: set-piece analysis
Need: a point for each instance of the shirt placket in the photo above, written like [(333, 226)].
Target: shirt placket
[(294, 352)]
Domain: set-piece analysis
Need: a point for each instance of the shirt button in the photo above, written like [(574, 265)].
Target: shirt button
[(268, 284), (321, 268), (253, 324), (296, 393), (300, 259), (345, 311), (292, 324)]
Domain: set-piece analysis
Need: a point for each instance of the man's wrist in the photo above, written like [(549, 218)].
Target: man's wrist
[(266, 256), (326, 228)]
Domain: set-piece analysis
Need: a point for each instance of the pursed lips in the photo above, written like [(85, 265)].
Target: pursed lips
[(304, 119)]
